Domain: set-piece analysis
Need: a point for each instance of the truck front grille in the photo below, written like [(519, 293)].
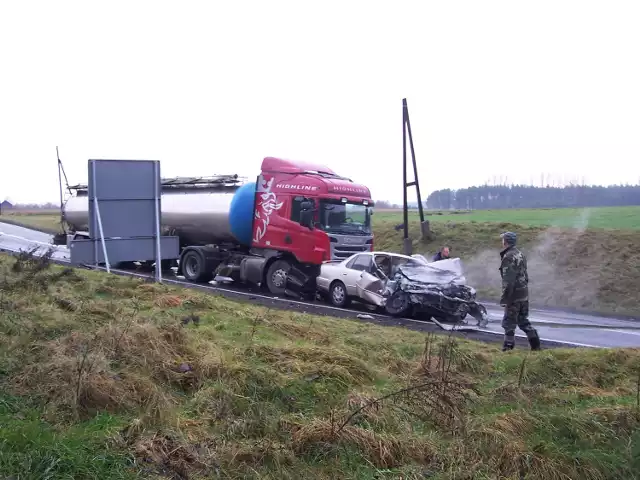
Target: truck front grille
[(343, 246)]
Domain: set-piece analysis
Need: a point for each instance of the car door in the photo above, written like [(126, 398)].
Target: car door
[(351, 274), (369, 289), (372, 280), (383, 265)]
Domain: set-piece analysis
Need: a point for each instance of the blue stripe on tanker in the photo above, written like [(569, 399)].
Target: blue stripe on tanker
[(241, 213)]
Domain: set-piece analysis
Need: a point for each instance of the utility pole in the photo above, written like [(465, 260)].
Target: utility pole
[(60, 184), (424, 224), (60, 237)]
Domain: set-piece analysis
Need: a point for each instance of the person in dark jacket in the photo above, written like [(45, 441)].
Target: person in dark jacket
[(515, 294), (443, 254)]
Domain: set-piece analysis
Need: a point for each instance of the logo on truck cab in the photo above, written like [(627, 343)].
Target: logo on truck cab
[(345, 189), (293, 186), (352, 240), (266, 205)]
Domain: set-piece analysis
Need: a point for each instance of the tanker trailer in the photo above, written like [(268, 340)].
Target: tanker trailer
[(201, 211), (206, 211), (275, 232)]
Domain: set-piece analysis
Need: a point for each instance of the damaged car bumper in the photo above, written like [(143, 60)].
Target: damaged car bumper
[(437, 291)]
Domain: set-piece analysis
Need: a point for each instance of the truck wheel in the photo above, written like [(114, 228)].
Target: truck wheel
[(338, 294), (277, 276), (193, 268)]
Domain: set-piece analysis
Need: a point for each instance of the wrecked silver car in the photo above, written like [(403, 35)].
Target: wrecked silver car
[(337, 279), (436, 289)]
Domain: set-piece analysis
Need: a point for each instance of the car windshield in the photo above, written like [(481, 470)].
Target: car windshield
[(347, 218)]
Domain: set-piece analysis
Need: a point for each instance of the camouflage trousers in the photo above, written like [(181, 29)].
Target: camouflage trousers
[(517, 315)]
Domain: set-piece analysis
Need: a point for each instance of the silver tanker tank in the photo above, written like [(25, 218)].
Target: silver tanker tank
[(200, 211)]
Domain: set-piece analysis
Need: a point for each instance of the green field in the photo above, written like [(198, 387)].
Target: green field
[(583, 259), (44, 219), (623, 218), (627, 218), (108, 377)]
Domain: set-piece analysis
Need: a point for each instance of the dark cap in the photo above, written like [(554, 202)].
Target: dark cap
[(509, 237)]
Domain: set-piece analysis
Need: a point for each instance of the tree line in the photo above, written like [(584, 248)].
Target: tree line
[(35, 206), (492, 196), (527, 196)]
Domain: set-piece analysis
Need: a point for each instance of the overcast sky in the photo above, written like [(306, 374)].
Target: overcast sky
[(510, 89)]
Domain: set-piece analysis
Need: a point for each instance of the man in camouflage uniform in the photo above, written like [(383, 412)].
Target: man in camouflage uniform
[(515, 294)]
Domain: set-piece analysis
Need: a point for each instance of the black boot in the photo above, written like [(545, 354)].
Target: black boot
[(506, 346), (534, 342)]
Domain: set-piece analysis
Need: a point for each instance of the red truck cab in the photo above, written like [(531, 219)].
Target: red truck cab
[(306, 214)]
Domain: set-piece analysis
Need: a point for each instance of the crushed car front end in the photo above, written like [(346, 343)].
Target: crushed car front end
[(439, 291)]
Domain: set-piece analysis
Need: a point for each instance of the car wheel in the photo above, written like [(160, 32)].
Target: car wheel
[(277, 276), (338, 295), (398, 305)]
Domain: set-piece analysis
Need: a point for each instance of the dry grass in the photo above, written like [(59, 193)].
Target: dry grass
[(138, 380)]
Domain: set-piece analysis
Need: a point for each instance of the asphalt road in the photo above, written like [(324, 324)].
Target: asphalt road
[(557, 327)]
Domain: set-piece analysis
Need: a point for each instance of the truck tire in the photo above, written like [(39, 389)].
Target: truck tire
[(277, 276), (338, 295), (193, 267)]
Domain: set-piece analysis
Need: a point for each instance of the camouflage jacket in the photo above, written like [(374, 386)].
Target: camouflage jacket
[(515, 279)]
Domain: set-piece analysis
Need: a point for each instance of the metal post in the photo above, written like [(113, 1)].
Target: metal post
[(424, 225), (60, 185), (405, 214), (99, 221), (156, 182), (104, 245), (93, 222), (415, 167)]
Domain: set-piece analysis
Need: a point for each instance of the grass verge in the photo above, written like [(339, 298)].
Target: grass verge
[(110, 377)]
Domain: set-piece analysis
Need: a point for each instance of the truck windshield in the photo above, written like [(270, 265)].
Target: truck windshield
[(346, 218)]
